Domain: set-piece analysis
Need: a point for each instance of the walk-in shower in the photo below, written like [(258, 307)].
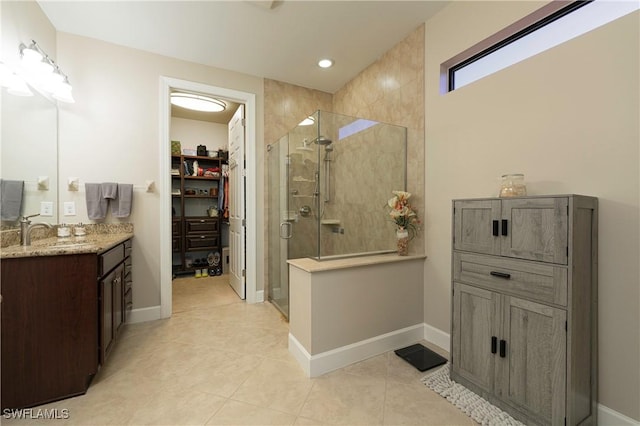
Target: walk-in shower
[(328, 184)]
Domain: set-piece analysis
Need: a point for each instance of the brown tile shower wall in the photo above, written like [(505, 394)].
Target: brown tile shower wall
[(391, 90)]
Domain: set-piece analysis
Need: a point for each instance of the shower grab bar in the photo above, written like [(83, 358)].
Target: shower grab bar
[(289, 230)]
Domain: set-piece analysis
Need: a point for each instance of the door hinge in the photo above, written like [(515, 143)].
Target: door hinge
[(243, 122), (243, 273), (244, 222)]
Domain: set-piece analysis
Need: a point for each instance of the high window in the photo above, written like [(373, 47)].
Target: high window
[(553, 24)]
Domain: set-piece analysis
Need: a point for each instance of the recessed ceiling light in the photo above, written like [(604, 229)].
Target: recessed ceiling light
[(197, 102), (325, 63), (307, 121)]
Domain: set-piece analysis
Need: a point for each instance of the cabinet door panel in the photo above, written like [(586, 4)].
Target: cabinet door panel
[(537, 229), (534, 369), (475, 313), (473, 226)]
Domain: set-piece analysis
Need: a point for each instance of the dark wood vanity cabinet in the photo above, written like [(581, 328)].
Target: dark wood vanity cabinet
[(49, 333), (114, 294), (58, 323)]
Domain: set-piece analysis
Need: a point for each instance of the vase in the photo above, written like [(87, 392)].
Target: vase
[(402, 239)]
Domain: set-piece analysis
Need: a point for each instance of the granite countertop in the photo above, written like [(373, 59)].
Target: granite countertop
[(54, 246)]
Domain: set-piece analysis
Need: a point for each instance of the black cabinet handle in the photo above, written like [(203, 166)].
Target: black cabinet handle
[(500, 275), (496, 226), (505, 227), (503, 348), (494, 344)]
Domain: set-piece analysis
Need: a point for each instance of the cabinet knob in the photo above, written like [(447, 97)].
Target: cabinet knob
[(494, 344), (496, 228)]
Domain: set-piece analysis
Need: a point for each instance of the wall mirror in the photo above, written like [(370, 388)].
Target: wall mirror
[(29, 151)]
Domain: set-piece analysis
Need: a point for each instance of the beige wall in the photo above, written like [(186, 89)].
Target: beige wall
[(112, 131), (566, 118)]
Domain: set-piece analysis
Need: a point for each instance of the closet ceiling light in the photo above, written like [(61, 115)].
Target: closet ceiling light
[(197, 102)]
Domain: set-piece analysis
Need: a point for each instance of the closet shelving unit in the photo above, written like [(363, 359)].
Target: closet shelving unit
[(195, 234)]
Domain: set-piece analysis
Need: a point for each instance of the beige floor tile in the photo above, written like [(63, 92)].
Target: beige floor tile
[(175, 407), (220, 373), (414, 404), (240, 413), (275, 384), (347, 399)]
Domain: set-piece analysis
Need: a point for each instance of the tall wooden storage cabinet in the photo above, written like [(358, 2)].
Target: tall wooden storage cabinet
[(195, 234), (524, 314)]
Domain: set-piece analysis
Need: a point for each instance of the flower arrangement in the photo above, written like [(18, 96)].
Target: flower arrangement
[(402, 213)]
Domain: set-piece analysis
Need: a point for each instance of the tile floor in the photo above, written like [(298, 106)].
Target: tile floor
[(219, 361)]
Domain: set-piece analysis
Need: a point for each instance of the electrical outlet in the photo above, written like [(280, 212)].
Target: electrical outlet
[(46, 208), (69, 208)]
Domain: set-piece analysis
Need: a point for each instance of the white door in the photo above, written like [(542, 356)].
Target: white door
[(236, 203)]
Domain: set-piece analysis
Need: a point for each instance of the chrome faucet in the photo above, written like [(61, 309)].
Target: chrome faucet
[(26, 227)]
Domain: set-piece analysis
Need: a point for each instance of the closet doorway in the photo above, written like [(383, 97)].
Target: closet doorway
[(246, 169)]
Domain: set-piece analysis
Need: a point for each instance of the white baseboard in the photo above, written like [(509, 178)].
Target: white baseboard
[(437, 337), (608, 417), (316, 365), (145, 314)]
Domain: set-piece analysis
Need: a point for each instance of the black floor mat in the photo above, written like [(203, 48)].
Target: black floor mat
[(420, 357)]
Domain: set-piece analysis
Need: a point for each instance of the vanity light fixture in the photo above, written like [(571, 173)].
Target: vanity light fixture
[(42, 73), (14, 84), (197, 102), (325, 63)]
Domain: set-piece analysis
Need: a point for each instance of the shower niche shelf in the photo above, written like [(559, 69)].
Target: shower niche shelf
[(330, 222)]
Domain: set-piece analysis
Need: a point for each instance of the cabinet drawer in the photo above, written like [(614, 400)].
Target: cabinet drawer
[(541, 282), (175, 227), (202, 242), (201, 225), (109, 259), (175, 244)]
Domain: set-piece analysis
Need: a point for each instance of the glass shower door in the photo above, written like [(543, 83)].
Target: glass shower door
[(279, 227)]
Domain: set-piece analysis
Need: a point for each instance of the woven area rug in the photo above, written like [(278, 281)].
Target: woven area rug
[(473, 405)]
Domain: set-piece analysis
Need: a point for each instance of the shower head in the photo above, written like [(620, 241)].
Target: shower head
[(321, 140)]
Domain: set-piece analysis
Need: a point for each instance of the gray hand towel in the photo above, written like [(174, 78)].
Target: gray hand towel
[(110, 190), (121, 206), (96, 203), (11, 199)]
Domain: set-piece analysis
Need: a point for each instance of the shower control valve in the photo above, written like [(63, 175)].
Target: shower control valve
[(305, 211)]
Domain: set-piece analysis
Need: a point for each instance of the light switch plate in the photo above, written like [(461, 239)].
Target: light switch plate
[(46, 208), (69, 208)]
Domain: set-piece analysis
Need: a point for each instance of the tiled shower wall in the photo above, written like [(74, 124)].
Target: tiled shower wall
[(391, 90)]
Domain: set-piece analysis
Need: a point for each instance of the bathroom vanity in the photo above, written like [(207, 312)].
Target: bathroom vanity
[(63, 306)]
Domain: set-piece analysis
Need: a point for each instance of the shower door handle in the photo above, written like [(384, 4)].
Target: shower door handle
[(286, 230)]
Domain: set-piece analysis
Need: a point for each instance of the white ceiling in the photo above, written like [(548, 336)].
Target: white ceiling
[(280, 40)]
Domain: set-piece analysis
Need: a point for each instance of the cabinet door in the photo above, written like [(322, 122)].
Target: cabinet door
[(533, 371), (537, 229), (475, 226), (106, 315), (475, 314), (118, 299)]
